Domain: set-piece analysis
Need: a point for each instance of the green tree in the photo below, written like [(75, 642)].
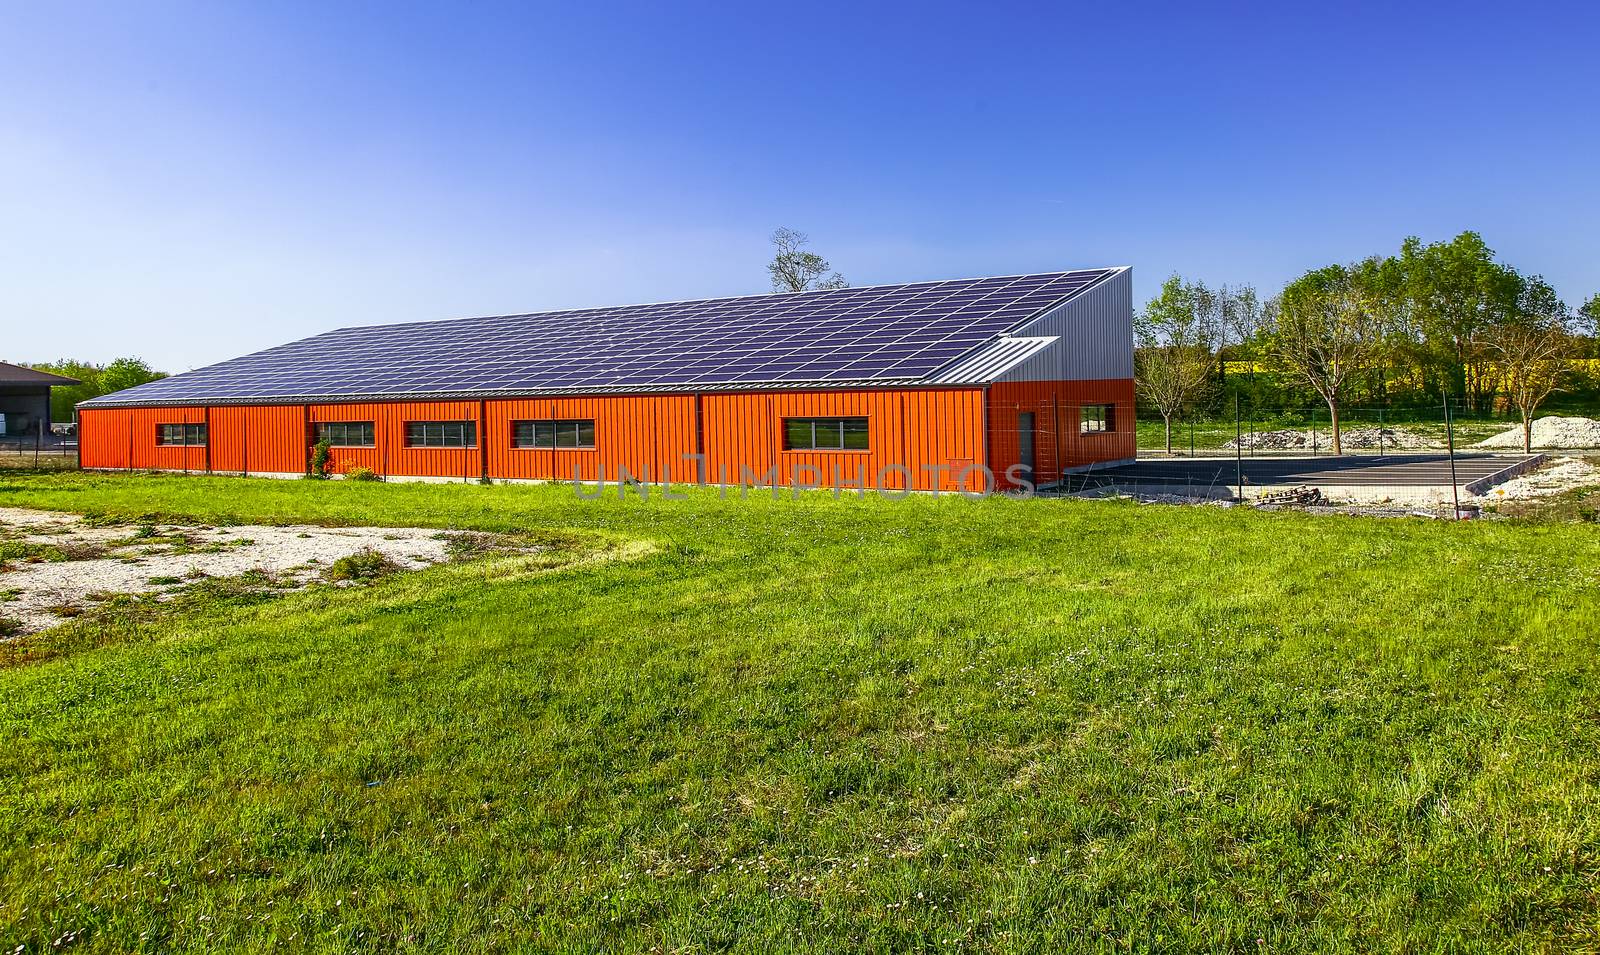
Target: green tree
[(1589, 319), (793, 269), (1175, 336), (93, 381), (1458, 292), (1329, 330), (126, 373)]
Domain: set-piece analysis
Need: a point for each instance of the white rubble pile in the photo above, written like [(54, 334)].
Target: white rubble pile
[(1551, 431), (1560, 474), (1322, 441), (1386, 437)]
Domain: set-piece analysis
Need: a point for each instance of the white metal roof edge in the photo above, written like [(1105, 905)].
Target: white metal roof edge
[(997, 358)]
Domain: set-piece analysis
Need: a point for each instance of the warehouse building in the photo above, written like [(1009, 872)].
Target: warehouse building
[(25, 402), (975, 383)]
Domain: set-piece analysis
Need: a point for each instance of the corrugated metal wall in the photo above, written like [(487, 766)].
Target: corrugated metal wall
[(912, 431), (909, 432), (1096, 336), (646, 435), (1058, 445), (258, 439)]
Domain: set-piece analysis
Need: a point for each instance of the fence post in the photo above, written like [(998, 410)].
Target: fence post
[(1238, 447), (1450, 444), (1380, 431), (1313, 430)]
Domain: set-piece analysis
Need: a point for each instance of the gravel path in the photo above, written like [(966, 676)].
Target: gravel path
[(40, 591)]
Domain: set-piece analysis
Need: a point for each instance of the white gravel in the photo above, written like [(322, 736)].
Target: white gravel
[(1552, 431), (294, 556), (1391, 438), (1560, 474)]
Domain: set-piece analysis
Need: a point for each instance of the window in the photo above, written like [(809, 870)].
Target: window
[(553, 434), (825, 434), (1095, 419), (181, 435), (441, 434), (346, 434)]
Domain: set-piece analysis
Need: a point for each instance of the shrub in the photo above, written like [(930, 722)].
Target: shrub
[(319, 458), (364, 564), (361, 474)]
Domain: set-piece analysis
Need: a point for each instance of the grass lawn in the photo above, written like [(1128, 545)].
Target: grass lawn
[(820, 725)]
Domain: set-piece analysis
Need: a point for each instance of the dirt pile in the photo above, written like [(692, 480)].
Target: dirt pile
[(1552, 431)]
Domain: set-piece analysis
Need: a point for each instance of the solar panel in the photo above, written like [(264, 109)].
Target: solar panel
[(873, 334)]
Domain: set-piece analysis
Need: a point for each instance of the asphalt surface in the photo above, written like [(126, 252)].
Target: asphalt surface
[(1393, 470)]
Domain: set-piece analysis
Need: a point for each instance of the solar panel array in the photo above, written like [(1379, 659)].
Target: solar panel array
[(877, 334)]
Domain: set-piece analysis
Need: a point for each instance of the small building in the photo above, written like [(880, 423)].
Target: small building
[(25, 402), (968, 384)]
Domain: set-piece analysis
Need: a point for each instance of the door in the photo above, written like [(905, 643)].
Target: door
[(1025, 441)]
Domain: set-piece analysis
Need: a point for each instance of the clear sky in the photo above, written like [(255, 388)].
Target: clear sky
[(188, 182)]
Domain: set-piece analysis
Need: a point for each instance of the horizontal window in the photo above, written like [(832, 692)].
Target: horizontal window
[(574, 433), (181, 435), (441, 434), (1093, 419), (825, 434), (346, 434)]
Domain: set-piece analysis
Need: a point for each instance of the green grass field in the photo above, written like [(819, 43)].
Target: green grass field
[(820, 725)]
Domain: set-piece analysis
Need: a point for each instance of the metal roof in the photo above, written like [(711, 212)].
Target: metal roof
[(876, 336), (19, 375)]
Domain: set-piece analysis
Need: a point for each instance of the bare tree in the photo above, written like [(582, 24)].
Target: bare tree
[(795, 270), (1175, 334), (1531, 351), (1328, 330), (1243, 317)]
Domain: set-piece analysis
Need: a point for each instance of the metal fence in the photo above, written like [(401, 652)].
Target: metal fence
[(42, 451), (1407, 460)]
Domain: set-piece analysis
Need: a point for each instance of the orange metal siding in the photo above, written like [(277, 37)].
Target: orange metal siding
[(105, 438), (258, 439), (912, 429), (912, 432), (649, 436), (1057, 444)]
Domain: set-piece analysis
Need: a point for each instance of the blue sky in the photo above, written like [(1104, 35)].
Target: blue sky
[(188, 182)]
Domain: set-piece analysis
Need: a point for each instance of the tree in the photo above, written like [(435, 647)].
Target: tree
[(1531, 350), (1458, 291), (1172, 364), (126, 373), (1589, 316), (796, 270), (1328, 331), (93, 381), (1241, 317)]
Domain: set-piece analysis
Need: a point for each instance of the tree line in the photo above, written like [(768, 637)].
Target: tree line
[(1439, 319), (93, 381)]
